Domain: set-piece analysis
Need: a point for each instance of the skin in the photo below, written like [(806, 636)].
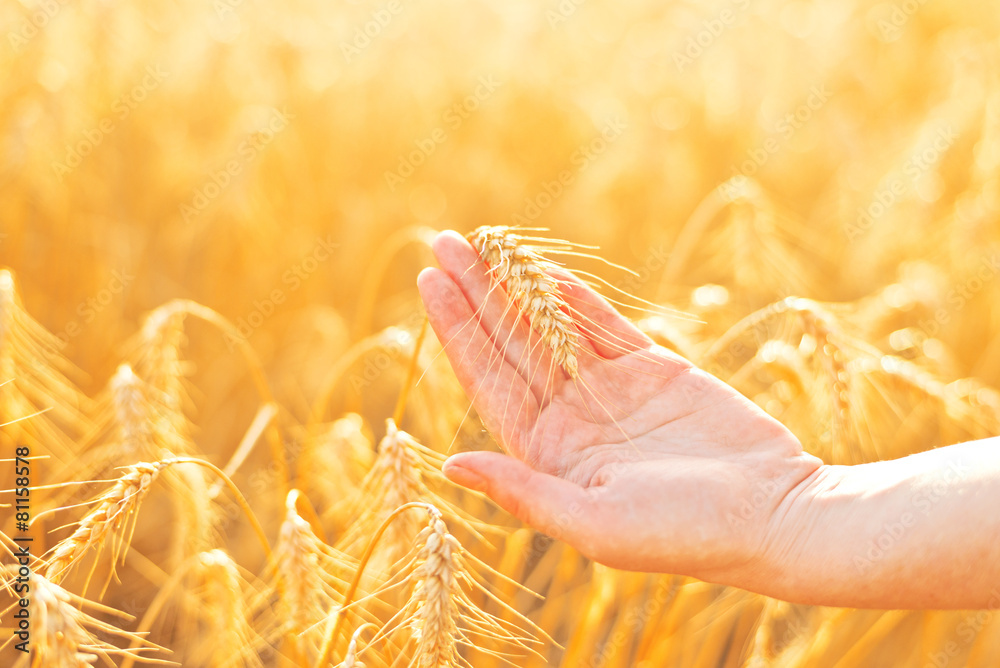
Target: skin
[(647, 463)]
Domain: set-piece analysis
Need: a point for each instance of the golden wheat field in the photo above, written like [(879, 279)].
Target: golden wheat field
[(212, 215)]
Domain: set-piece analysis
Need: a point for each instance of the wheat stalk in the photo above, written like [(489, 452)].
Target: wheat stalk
[(831, 349), (158, 360), (402, 471), (393, 341), (395, 479), (351, 659), (519, 266)]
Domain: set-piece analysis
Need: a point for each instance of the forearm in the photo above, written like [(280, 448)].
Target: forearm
[(917, 532)]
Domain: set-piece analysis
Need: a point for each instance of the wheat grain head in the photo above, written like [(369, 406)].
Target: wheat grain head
[(115, 510), (526, 274), (65, 634), (440, 616), (403, 472)]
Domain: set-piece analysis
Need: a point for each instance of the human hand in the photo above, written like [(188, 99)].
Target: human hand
[(643, 462)]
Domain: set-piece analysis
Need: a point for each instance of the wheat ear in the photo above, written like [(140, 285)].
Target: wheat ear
[(403, 473), (521, 269), (65, 635), (63, 641), (306, 575), (114, 510), (351, 659), (136, 434), (819, 325), (116, 507), (439, 614), (297, 565), (31, 362), (832, 347), (231, 638), (435, 598)]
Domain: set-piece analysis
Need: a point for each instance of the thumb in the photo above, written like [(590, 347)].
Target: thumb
[(556, 507)]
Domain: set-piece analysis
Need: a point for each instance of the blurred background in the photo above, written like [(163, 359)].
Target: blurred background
[(284, 163), (349, 121)]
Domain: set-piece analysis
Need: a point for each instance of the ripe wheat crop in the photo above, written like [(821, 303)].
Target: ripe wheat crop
[(212, 352)]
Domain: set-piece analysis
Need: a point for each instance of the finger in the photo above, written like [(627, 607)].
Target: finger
[(552, 505), (611, 334), (521, 347), (499, 394)]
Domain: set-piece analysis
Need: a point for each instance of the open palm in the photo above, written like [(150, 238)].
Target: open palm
[(642, 462)]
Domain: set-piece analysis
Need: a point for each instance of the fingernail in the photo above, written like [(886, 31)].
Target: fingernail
[(465, 477)]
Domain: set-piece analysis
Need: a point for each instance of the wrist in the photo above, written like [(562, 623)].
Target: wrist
[(769, 521), (794, 535)]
